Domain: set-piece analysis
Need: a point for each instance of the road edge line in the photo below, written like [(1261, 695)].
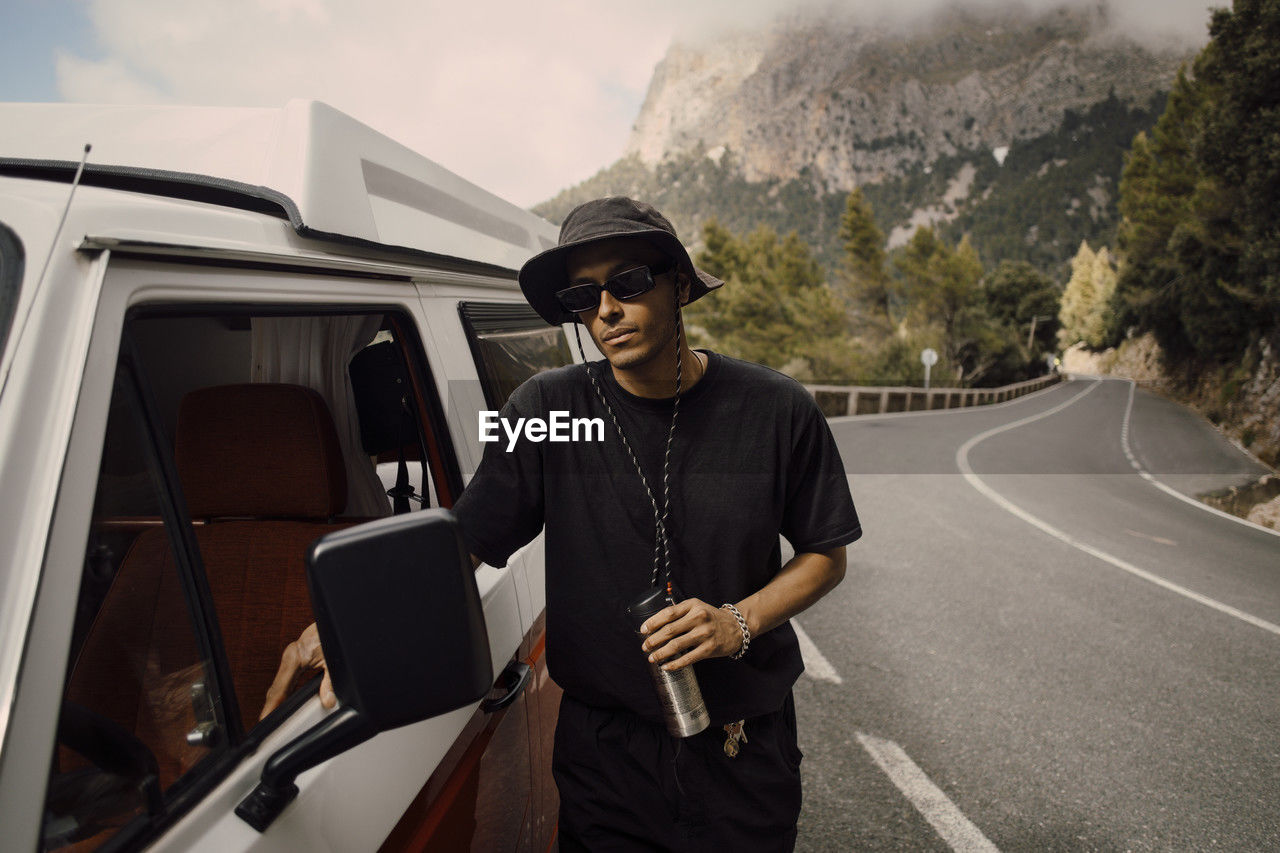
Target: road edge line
[(962, 462), (1167, 489)]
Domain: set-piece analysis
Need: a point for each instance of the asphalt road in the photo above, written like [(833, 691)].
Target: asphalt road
[(1070, 657)]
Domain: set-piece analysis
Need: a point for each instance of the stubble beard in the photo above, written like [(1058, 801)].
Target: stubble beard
[(631, 359)]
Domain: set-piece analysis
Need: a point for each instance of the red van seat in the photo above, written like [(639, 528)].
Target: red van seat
[(262, 465), (259, 451)]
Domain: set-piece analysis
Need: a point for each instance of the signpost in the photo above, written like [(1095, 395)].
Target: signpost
[(1031, 335), (928, 357)]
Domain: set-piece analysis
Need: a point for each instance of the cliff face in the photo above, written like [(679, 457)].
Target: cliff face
[(856, 104), (1005, 126)]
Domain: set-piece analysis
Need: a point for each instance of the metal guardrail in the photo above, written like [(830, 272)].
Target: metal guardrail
[(839, 400)]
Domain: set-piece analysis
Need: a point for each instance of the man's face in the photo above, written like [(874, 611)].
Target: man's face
[(629, 332)]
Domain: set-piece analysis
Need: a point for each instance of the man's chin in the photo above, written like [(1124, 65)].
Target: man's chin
[(627, 358), (624, 360)]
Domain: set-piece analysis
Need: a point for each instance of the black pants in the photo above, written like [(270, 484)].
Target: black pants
[(627, 785)]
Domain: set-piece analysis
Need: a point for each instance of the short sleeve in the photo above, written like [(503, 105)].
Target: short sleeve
[(501, 509), (819, 514)]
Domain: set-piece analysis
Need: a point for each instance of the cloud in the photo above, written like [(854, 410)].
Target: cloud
[(518, 100), (105, 81), (521, 98), (1184, 22)]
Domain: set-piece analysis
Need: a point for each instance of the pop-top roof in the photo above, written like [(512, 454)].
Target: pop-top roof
[(331, 174)]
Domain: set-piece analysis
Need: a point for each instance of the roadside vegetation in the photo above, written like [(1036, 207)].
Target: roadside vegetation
[(1198, 244), (1199, 241), (1192, 259), (868, 323)]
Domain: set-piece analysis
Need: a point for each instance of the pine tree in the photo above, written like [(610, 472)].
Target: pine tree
[(866, 282), (721, 255), (1103, 284), (1022, 297), (1077, 299), (775, 308), (943, 289), (1156, 195), (1240, 146), (1087, 300), (1200, 240)]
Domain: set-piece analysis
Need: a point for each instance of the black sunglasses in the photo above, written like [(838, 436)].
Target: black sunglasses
[(625, 285)]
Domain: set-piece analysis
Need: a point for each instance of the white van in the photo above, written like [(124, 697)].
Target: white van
[(243, 331)]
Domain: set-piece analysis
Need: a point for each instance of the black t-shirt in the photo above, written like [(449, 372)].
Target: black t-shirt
[(752, 457)]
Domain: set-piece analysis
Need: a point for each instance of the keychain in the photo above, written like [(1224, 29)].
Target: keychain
[(735, 736)]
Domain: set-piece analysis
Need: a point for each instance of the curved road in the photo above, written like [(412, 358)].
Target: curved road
[(1063, 655)]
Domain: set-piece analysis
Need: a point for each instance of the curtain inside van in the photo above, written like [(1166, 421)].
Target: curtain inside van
[(315, 352)]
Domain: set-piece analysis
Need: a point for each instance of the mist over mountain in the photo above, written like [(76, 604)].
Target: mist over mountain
[(999, 121)]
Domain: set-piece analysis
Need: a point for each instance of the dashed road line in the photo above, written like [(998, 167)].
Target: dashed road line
[(962, 462), (935, 806), (1169, 490), (1159, 540), (815, 664)]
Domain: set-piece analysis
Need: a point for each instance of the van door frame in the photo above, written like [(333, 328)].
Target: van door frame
[(313, 820)]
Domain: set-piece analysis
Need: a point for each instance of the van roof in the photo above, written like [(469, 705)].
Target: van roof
[(333, 177)]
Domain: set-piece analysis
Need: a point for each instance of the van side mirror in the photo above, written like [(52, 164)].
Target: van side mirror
[(403, 631)]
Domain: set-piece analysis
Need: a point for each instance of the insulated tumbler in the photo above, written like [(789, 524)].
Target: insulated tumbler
[(682, 706)]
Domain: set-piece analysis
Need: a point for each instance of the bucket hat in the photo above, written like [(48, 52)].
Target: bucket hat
[(603, 219)]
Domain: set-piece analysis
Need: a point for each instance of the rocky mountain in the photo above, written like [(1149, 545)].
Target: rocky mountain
[(1000, 123)]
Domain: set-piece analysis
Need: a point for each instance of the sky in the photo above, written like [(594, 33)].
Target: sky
[(523, 97)]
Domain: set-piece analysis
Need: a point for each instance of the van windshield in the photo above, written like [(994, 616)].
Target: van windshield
[(10, 279)]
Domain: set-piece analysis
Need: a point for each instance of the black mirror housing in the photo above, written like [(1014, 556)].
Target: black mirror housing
[(400, 618), (402, 626)]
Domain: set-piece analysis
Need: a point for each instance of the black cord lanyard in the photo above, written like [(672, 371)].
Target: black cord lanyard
[(661, 545)]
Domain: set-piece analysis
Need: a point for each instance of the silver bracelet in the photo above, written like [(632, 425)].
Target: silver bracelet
[(746, 632)]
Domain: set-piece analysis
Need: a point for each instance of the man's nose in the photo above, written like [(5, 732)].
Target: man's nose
[(610, 306)]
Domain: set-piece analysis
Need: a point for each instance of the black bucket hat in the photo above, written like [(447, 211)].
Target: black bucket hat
[(603, 219)]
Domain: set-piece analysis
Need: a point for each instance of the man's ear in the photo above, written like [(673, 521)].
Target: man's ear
[(683, 284)]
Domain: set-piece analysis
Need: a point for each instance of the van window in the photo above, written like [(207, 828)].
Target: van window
[(277, 428), (275, 423), (140, 708), (11, 262), (510, 343)]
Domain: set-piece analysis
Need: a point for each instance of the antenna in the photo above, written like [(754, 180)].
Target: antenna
[(75, 182), (53, 245)]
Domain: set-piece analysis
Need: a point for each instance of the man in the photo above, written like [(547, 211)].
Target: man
[(693, 485), (750, 456)]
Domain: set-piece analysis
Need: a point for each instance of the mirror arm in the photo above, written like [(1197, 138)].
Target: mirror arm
[(342, 730)]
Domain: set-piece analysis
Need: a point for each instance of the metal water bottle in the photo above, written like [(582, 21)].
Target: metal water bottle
[(682, 707)]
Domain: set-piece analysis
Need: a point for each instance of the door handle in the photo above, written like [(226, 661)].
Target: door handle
[(515, 677)]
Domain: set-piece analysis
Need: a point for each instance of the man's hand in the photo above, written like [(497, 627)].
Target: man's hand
[(695, 630), (302, 653), (688, 632)]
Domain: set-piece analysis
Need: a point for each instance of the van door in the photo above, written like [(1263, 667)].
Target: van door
[(502, 342), (217, 434)]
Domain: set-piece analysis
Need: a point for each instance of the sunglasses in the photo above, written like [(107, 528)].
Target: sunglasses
[(625, 285)]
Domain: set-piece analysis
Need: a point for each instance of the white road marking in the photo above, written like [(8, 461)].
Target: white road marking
[(1169, 490), (949, 822), (1160, 540), (815, 665), (962, 462)]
